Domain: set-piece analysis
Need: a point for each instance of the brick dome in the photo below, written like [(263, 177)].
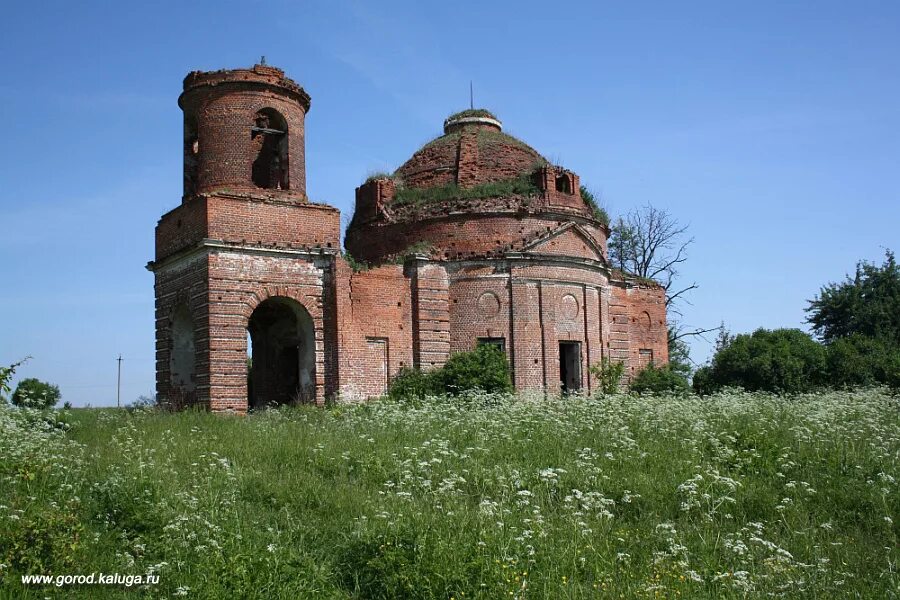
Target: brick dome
[(472, 151), (472, 192)]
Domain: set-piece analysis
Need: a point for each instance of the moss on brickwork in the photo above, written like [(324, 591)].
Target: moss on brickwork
[(449, 139), (488, 138), (358, 266), (517, 186), (420, 247)]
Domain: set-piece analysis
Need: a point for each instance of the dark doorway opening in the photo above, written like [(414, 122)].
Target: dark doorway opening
[(281, 369), (570, 366)]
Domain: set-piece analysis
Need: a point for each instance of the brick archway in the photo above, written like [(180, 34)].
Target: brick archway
[(266, 292), (310, 322), (282, 369)]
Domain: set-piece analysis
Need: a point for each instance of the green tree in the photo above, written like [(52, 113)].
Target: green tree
[(780, 360), (410, 384), (866, 305), (856, 360), (679, 353), (650, 243), (34, 393)]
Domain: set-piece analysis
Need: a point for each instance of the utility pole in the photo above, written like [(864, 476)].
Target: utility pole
[(119, 384), (471, 96)]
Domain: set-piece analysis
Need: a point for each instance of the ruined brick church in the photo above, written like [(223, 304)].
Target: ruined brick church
[(476, 239)]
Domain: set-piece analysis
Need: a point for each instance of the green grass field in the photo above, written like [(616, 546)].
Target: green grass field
[(726, 497)]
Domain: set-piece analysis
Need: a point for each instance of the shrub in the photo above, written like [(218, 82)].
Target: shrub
[(33, 393), (356, 265), (780, 360), (608, 373), (658, 380), (410, 384), (484, 368)]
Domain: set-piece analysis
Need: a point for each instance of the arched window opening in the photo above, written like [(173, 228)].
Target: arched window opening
[(182, 361), (269, 135), (282, 354), (646, 321), (191, 155), (563, 184)]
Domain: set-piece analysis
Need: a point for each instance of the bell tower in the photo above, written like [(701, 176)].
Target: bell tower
[(245, 236), (244, 130)]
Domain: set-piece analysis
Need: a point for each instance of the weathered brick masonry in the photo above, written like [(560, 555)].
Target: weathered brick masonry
[(475, 239)]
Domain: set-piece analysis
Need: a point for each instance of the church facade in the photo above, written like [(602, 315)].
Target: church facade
[(476, 239)]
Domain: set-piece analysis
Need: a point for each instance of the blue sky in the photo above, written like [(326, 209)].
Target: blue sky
[(771, 128)]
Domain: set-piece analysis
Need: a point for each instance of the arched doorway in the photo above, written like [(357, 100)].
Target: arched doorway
[(282, 352)]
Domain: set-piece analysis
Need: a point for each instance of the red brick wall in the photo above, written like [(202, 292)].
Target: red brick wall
[(639, 323), (184, 283), (457, 236), (181, 227), (534, 305), (570, 242), (374, 307), (479, 307), (247, 219), (431, 314)]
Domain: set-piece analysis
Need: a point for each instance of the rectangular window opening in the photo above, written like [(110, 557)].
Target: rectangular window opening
[(499, 342)]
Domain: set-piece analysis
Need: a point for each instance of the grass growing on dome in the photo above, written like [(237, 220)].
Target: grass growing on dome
[(378, 175), (490, 137), (471, 113), (518, 186), (599, 212)]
